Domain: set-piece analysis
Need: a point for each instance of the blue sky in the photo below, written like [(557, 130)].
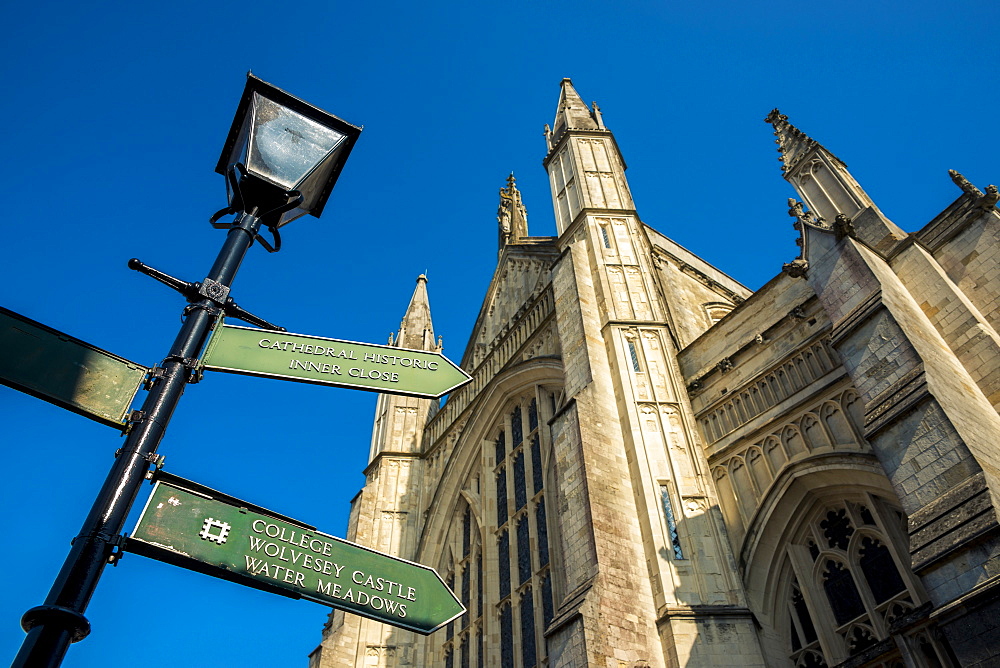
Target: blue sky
[(114, 120)]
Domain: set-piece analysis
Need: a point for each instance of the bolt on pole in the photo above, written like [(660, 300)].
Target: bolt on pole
[(51, 627)]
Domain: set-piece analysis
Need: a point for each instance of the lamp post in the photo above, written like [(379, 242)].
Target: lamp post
[(281, 160)]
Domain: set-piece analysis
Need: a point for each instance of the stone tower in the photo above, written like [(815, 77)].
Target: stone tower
[(653, 542)]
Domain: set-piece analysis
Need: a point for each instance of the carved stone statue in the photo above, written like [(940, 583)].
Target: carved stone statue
[(990, 198), (512, 217), (796, 268), (842, 227), (503, 211)]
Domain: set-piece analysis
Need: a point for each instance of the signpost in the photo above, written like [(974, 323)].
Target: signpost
[(192, 526), (281, 159), (314, 359), (65, 371)]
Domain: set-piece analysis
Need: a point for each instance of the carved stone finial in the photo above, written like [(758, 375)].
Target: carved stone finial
[(797, 211), (775, 117), (598, 116), (796, 268), (793, 144), (390, 338), (964, 184)]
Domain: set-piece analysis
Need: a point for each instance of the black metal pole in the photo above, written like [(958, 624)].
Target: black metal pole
[(53, 626)]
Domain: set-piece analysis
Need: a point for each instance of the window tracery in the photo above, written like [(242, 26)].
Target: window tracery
[(516, 604), (849, 582)]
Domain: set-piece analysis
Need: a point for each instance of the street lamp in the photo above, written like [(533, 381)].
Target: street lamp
[(284, 149), (282, 156), (282, 145), (281, 160)]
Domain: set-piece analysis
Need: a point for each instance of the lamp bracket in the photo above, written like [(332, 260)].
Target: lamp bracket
[(189, 290), (235, 311), (213, 221), (277, 241), (196, 292), (248, 211)]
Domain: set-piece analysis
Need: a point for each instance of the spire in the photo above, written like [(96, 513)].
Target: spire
[(416, 330), (572, 112), (820, 177), (585, 167), (792, 142), (511, 214)]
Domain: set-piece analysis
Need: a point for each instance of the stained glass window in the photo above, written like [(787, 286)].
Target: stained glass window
[(464, 596), (503, 552), (466, 531), (516, 430), (668, 512), (845, 601), (520, 493), (528, 657), (523, 551), (879, 569), (837, 528), (506, 637), (860, 587), (547, 610), (536, 464), (634, 355), (502, 496), (543, 533)]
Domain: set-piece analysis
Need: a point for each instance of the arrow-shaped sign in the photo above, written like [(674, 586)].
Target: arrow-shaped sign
[(192, 526), (314, 359), (65, 371)]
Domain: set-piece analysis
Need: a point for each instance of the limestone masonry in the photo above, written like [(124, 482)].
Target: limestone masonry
[(654, 466)]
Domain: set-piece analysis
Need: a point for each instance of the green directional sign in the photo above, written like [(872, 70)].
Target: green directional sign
[(66, 371), (314, 359), (192, 526)]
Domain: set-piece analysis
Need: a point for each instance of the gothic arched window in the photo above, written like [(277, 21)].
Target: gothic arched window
[(849, 581), (509, 608), (524, 589), (464, 577)]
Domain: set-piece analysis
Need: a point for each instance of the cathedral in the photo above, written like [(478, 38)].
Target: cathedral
[(655, 467)]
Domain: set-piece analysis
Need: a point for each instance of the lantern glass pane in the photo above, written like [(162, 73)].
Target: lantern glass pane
[(286, 146)]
